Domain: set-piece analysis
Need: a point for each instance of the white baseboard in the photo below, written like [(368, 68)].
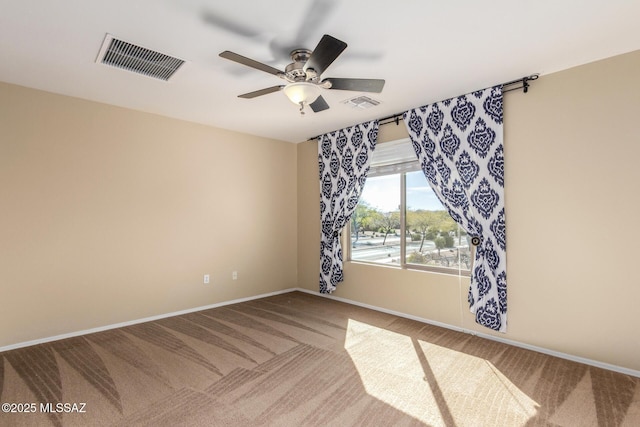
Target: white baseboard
[(134, 322), (543, 350)]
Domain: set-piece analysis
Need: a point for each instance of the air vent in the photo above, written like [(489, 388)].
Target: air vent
[(362, 102), (128, 56)]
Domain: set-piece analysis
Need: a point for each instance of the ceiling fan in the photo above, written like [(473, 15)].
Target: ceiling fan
[(304, 75)]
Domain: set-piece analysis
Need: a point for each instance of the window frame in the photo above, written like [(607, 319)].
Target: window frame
[(401, 169)]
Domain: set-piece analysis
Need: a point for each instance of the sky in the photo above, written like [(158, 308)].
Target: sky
[(383, 192)]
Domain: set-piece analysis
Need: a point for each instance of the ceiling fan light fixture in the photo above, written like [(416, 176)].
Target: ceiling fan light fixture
[(302, 92)]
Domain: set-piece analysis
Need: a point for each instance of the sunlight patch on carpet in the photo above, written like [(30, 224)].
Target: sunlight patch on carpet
[(433, 383)]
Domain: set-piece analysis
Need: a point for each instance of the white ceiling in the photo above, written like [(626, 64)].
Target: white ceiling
[(426, 50)]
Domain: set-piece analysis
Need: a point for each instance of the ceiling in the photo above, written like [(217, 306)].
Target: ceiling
[(425, 50)]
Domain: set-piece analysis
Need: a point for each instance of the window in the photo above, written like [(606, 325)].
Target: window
[(399, 220)]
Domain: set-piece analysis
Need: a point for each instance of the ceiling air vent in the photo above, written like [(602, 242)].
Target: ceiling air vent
[(362, 102), (138, 59)]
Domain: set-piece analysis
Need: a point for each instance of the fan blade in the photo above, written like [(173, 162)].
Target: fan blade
[(361, 85), (319, 105), (325, 53), (315, 17), (261, 92), (217, 20), (250, 62)]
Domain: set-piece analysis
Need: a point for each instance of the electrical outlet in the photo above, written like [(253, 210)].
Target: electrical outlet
[(234, 275), (206, 279)]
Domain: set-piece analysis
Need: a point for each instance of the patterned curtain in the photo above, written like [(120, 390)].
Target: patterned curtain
[(459, 145), (343, 160)]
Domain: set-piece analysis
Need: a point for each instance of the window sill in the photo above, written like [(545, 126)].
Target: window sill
[(418, 268)]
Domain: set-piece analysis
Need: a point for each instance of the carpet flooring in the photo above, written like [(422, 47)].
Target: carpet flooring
[(301, 360)]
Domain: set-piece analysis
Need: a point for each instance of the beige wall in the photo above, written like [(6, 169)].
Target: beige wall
[(109, 215), (571, 156)]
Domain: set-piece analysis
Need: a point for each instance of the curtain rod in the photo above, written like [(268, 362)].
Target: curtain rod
[(523, 81)]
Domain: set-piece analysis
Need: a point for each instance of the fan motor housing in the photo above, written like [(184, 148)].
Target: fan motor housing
[(295, 72)]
